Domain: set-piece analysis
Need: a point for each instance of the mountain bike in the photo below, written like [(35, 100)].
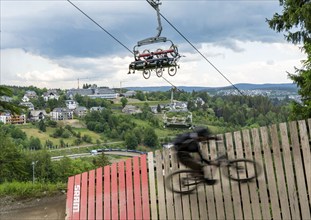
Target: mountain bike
[(185, 181)]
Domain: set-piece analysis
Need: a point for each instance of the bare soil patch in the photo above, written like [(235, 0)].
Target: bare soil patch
[(53, 207)]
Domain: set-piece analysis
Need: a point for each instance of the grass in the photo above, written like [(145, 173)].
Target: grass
[(21, 190)]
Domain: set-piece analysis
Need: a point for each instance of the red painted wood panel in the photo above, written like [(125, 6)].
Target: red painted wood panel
[(107, 197), (129, 189), (137, 188), (69, 201), (99, 193), (114, 192), (83, 212), (91, 197), (122, 190), (144, 187), (76, 207)]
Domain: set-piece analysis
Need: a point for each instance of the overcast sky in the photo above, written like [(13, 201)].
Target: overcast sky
[(52, 44)]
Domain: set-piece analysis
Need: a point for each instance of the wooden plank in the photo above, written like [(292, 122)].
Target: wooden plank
[(262, 183), (122, 190), (177, 197), (302, 192), (91, 196), (107, 196), (246, 203), (160, 185), (185, 200), (289, 173), (129, 189), (137, 188), (168, 193), (114, 191), (84, 189), (235, 190), (276, 212), (76, 198), (220, 207), (228, 205), (209, 190), (280, 173), (252, 186), (69, 199), (152, 187), (99, 193), (304, 139), (144, 187)]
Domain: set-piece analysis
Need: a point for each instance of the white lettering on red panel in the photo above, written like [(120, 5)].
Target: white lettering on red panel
[(76, 198)]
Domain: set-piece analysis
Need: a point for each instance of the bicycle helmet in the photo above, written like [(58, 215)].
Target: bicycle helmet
[(202, 132)]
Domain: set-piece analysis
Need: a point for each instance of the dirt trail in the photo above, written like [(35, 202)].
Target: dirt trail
[(52, 208)]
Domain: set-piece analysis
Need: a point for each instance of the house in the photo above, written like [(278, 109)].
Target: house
[(61, 114), (50, 94), (83, 92), (93, 92), (128, 94), (25, 98), (97, 108), (131, 109), (29, 105), (37, 115), (71, 104), (13, 119), (80, 111), (31, 94)]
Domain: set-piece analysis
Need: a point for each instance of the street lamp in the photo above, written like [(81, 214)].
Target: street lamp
[(33, 171)]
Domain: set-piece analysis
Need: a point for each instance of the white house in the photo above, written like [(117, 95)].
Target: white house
[(37, 115), (51, 94), (61, 114), (72, 104)]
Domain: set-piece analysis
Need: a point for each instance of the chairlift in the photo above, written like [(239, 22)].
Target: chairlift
[(157, 60)]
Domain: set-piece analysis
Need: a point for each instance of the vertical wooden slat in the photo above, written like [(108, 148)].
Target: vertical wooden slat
[(69, 199), (122, 190), (177, 197), (304, 139), (107, 196), (217, 188), (228, 206), (270, 174), (77, 198), (280, 173), (160, 185), (114, 191), (137, 188), (252, 186), (289, 173), (262, 183), (91, 196), (302, 192), (129, 190), (185, 200), (209, 191), (234, 186), (84, 188), (246, 204), (144, 187), (168, 194), (152, 187), (99, 193)]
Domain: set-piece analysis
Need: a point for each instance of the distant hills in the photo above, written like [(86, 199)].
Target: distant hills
[(240, 86)]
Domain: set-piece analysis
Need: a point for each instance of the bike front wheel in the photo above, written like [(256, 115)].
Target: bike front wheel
[(183, 181), (242, 170)]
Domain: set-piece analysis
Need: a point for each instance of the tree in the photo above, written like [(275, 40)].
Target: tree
[(150, 138), (131, 140), (296, 22), (124, 102), (8, 106)]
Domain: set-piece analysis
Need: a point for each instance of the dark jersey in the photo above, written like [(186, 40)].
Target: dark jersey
[(186, 142)]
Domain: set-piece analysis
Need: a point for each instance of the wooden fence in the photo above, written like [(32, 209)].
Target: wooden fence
[(134, 189)]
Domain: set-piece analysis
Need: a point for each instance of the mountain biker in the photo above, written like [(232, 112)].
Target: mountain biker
[(188, 143)]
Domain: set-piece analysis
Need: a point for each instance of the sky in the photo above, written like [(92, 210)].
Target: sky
[(52, 44)]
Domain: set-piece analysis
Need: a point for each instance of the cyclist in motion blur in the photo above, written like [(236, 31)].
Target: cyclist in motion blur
[(188, 143)]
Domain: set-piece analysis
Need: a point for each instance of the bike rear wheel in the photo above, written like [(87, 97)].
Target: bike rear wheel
[(242, 170), (183, 181)]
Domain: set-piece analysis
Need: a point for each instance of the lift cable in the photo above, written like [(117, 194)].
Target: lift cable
[(200, 53), (101, 27)]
